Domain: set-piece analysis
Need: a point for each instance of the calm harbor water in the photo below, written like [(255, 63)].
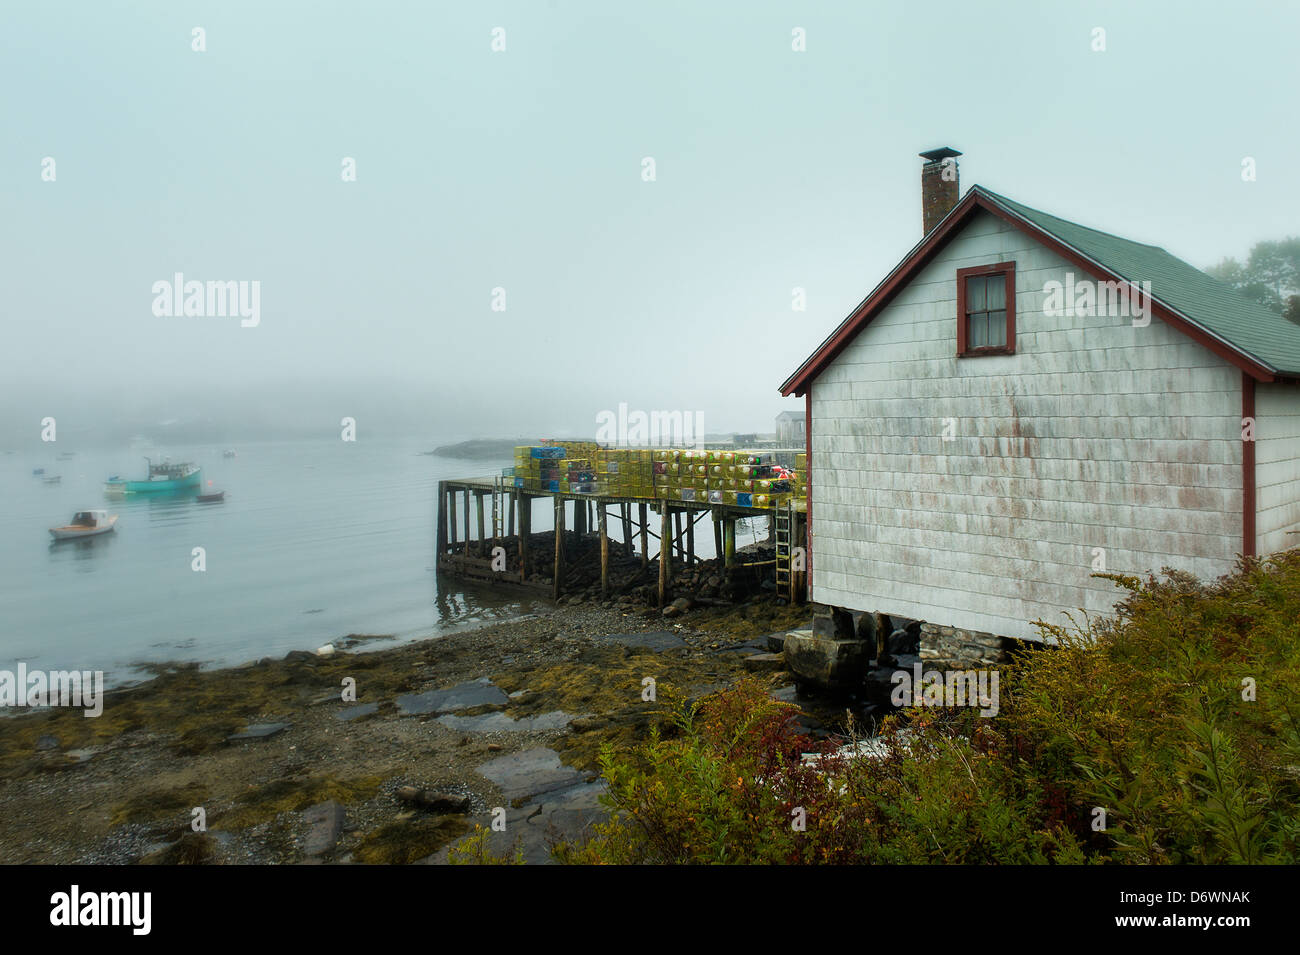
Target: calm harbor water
[(314, 541)]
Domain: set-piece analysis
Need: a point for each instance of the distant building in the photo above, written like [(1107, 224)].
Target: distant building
[(790, 431)]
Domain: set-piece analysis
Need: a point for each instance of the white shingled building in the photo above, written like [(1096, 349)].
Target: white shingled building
[(1024, 400)]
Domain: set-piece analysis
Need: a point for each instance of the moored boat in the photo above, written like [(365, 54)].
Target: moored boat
[(162, 478), (212, 497), (85, 524)]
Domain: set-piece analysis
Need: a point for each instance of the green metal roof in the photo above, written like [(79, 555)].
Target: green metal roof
[(1245, 325)]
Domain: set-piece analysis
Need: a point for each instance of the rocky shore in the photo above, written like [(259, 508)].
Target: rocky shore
[(389, 756)]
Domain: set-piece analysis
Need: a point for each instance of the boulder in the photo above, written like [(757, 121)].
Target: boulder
[(845, 629), (833, 623), (433, 801), (678, 607), (826, 662), (904, 641)]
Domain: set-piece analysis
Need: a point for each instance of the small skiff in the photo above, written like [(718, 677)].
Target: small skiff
[(85, 524)]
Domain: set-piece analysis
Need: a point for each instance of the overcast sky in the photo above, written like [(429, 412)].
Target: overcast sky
[(523, 170)]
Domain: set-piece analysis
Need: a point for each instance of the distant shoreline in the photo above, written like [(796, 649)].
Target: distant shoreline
[(481, 449)]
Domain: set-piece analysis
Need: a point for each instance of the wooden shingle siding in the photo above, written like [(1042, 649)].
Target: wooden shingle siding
[(1094, 434), (1277, 467)]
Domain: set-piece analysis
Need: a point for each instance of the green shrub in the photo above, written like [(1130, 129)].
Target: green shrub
[(1141, 716)]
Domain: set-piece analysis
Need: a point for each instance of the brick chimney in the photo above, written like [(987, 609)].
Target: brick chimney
[(939, 190)]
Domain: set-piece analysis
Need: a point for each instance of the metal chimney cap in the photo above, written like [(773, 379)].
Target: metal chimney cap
[(940, 154)]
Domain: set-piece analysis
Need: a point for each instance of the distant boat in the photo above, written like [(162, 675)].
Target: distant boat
[(162, 478), (229, 453), (85, 524), (212, 497), (53, 480), (38, 470)]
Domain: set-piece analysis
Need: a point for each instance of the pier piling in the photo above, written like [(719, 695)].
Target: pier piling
[(665, 552), (625, 510), (559, 545), (645, 537), (525, 529), (604, 551), (442, 525), (482, 536)]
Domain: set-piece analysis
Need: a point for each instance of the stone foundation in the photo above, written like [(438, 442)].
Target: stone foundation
[(958, 649), (840, 648)]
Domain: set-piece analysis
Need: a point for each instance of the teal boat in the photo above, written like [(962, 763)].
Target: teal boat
[(163, 478)]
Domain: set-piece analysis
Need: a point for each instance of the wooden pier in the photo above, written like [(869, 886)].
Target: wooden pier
[(478, 515)]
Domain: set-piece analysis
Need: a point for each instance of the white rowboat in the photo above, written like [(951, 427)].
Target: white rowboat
[(85, 524)]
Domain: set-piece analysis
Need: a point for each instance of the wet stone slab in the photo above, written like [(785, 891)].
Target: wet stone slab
[(764, 662), (775, 641), (757, 645), (480, 692), (530, 772), (656, 640), (786, 694), (352, 712), (568, 814), (325, 823), (258, 731), (500, 723)]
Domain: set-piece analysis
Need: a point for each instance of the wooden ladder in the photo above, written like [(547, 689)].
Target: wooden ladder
[(499, 507), (783, 525)]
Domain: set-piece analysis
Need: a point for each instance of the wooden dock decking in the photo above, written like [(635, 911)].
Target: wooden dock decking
[(471, 555)]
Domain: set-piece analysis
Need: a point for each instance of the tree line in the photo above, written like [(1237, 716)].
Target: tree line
[(1270, 275)]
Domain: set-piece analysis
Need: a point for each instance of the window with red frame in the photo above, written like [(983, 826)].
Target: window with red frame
[(986, 310)]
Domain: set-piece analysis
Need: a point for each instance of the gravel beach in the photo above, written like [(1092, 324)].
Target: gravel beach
[(387, 756)]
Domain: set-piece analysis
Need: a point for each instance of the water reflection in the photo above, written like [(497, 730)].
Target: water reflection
[(460, 602), (81, 550), (163, 506)]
